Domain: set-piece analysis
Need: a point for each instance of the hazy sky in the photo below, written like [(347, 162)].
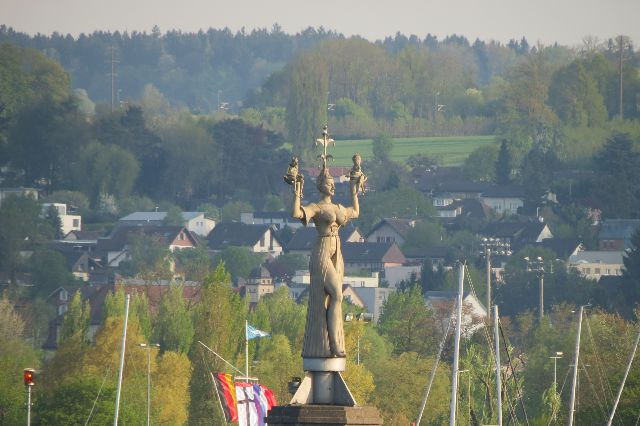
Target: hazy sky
[(546, 21)]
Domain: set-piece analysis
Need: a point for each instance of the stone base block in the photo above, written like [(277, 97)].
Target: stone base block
[(329, 415)]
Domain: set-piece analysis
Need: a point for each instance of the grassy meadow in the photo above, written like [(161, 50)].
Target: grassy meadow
[(447, 150)]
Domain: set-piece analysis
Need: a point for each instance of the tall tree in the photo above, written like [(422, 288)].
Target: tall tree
[(307, 105), (174, 327), (76, 319), (503, 165), (219, 324), (616, 186), (15, 355), (408, 323), (381, 147), (21, 228)]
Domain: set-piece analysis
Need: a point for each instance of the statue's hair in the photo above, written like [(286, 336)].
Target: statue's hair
[(323, 177)]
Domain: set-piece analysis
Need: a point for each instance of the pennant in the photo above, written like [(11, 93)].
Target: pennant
[(254, 333), (227, 393)]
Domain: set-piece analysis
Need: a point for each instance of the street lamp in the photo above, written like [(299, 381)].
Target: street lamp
[(537, 265), (556, 357), (496, 246), (148, 347), (365, 318)]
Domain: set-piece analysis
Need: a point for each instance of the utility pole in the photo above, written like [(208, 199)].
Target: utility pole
[(556, 357)]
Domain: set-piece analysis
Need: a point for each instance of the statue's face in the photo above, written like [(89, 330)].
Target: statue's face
[(328, 187)]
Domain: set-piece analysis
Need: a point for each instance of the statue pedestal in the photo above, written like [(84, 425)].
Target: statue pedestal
[(323, 398), (323, 415)]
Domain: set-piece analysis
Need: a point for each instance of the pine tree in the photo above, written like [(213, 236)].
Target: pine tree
[(503, 165)]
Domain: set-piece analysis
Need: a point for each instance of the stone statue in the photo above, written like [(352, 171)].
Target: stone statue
[(324, 335)]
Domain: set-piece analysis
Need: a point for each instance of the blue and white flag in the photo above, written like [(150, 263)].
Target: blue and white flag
[(254, 333)]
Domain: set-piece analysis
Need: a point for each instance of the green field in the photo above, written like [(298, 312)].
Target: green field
[(448, 151)]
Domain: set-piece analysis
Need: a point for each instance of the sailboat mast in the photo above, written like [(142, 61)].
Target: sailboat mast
[(498, 375), (576, 358), (456, 352), (624, 379), (122, 352)]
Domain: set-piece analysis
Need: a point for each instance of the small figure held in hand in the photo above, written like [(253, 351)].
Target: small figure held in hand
[(293, 176), (356, 173)]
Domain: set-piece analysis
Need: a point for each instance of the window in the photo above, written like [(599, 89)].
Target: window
[(587, 270), (76, 223), (597, 271)]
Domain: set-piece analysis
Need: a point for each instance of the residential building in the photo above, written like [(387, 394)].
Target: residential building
[(374, 299), (595, 264), (115, 248), (256, 238), (365, 258), (195, 222), (390, 230), (504, 199), (278, 219), (442, 303), (68, 222), (615, 234), (18, 192)]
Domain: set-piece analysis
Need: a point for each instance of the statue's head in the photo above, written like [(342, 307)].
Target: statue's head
[(324, 182)]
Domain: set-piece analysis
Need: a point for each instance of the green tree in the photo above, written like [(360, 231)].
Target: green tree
[(278, 314), (211, 211), (402, 202), (232, 210), (45, 138), (52, 216), (537, 174), (73, 401), (382, 146), (76, 319), (173, 326), (173, 217), (239, 261), (150, 257), (73, 199), (616, 186), (105, 169), (49, 269), (276, 364), (194, 263), (575, 98), (503, 165), (307, 105), (480, 164), (631, 271), (219, 324), (408, 323), (15, 355)]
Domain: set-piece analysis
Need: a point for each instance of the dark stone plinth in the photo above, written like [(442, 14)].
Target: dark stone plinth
[(323, 415)]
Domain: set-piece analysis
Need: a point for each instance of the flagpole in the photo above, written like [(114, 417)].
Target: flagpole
[(215, 388), (246, 349)]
